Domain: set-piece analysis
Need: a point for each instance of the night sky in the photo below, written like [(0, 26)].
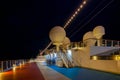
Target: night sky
[(25, 24)]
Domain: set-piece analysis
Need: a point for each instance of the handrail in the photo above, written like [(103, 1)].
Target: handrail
[(104, 42), (9, 64)]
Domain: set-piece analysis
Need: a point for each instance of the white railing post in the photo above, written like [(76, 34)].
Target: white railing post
[(118, 43), (98, 42), (6, 64), (105, 43), (112, 43), (23, 62), (1, 66), (15, 62), (10, 63)]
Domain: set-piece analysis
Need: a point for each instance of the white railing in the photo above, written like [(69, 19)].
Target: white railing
[(77, 44), (112, 43), (103, 42), (9, 64)]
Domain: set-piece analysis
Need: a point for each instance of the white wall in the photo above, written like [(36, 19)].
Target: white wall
[(82, 58), (105, 65)]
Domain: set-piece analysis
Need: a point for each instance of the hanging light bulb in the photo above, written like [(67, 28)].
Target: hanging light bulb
[(84, 2)]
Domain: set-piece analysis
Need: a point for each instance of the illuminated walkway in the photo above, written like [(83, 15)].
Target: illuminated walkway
[(26, 72), (32, 71), (36, 71)]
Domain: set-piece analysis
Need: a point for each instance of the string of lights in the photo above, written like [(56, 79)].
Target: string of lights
[(68, 22), (85, 18), (92, 18), (75, 13)]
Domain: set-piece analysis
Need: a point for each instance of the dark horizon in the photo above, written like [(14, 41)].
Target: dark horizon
[(25, 25)]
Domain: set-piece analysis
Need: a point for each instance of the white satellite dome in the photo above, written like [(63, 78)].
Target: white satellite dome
[(66, 43), (89, 39), (99, 31), (88, 35)]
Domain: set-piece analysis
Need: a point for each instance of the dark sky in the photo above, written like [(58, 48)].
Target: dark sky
[(25, 24)]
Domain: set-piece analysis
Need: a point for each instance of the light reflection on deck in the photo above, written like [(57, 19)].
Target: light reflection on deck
[(28, 71)]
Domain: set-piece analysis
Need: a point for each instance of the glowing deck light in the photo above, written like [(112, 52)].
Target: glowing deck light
[(116, 57), (23, 62), (20, 65), (14, 67), (0, 75), (95, 58)]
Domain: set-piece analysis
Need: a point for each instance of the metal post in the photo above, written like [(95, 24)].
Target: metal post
[(6, 64), (23, 62), (118, 43), (15, 62), (112, 43), (1, 66), (10, 63), (105, 43), (98, 42)]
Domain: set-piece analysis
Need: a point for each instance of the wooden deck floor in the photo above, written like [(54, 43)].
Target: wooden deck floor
[(29, 71)]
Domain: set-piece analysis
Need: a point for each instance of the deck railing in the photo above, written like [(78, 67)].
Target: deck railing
[(103, 42), (10, 64), (112, 43)]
